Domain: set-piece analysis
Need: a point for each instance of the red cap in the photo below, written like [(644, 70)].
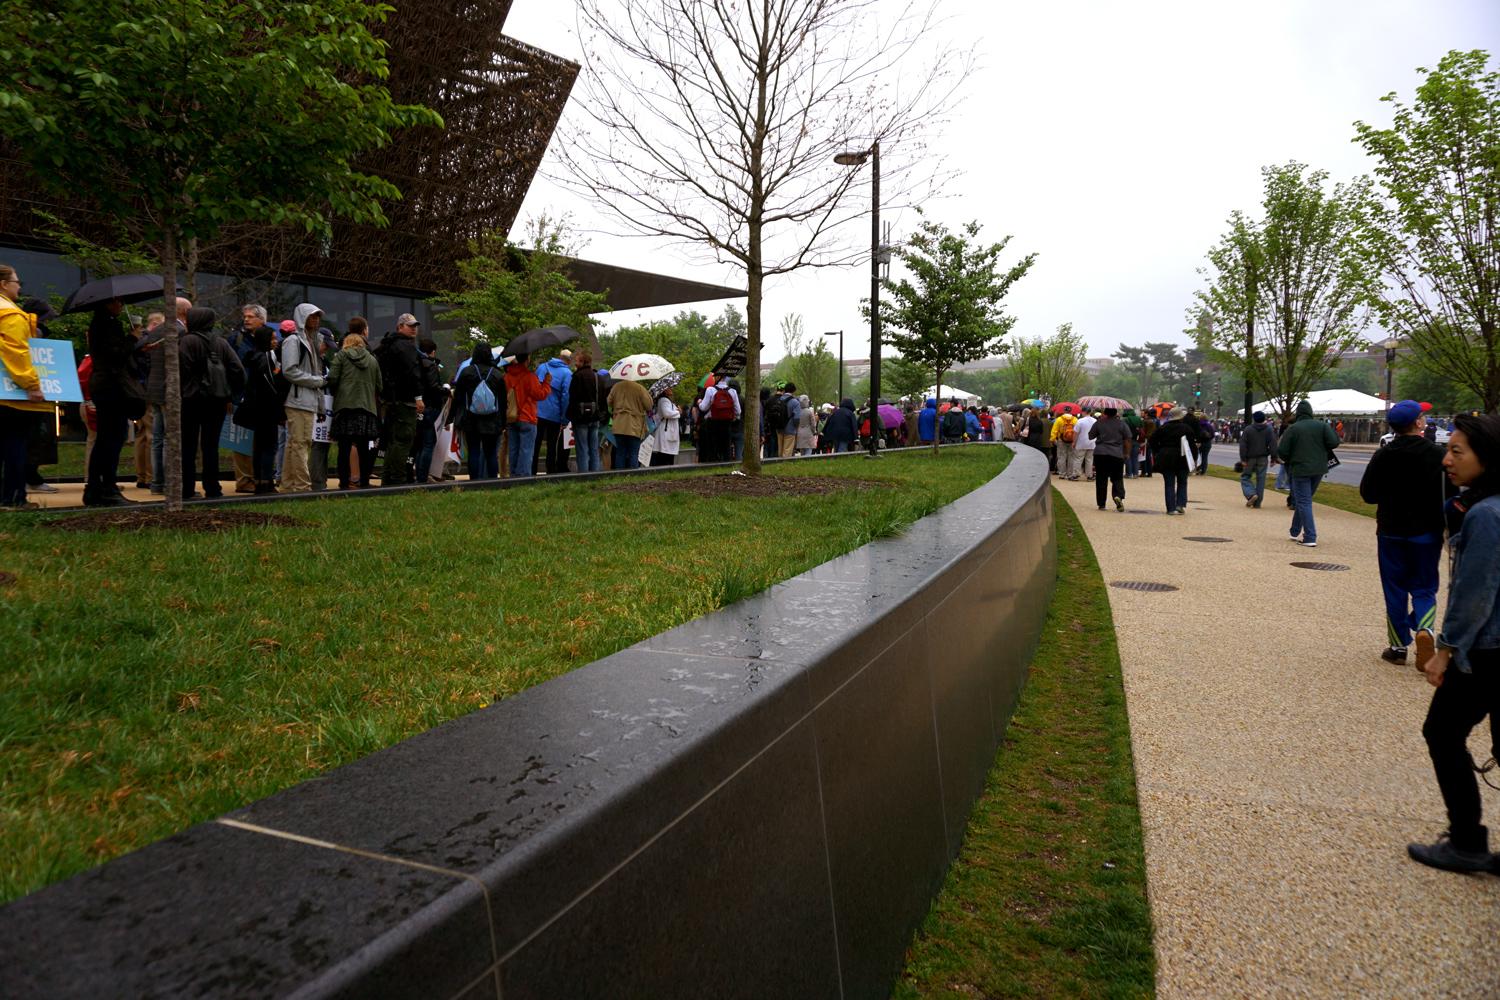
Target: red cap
[(1425, 407)]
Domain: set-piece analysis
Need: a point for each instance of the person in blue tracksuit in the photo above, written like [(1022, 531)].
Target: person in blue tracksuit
[(1405, 481), (927, 422)]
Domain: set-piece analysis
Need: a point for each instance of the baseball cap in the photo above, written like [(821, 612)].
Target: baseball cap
[(407, 319), (1404, 413), (288, 326)]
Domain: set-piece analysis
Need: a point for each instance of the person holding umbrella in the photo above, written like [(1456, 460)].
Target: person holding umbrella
[(667, 440), (521, 382)]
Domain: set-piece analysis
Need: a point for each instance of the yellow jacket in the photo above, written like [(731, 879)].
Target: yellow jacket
[(1063, 422), (17, 327)]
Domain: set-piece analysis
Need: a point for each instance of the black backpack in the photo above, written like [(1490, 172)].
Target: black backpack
[(776, 413)]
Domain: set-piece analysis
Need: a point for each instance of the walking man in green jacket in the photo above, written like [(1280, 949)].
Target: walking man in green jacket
[(1306, 448)]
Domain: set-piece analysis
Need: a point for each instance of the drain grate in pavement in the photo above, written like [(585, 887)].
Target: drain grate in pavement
[(1325, 567), (1205, 538), (1144, 585)]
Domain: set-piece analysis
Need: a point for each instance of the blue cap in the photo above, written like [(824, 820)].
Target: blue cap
[(1404, 413)]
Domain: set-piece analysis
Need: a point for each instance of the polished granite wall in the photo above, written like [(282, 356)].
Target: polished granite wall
[(759, 803)]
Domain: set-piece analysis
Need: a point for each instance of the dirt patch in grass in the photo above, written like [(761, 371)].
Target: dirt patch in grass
[(199, 521), (751, 486), (6, 579)]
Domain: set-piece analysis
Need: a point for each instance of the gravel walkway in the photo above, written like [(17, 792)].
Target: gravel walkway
[(1280, 762)]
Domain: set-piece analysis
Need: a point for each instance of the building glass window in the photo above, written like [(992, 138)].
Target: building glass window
[(383, 312), (339, 305), (43, 275)]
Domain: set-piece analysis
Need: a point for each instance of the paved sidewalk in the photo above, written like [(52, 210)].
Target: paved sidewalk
[(1280, 762)]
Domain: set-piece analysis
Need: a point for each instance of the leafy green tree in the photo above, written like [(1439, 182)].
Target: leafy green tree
[(1158, 367), (1434, 235), (1300, 273), (809, 364), (507, 290), (951, 309), (189, 117), (1050, 366)]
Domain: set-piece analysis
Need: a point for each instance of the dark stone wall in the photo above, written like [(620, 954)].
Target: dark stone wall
[(759, 803)]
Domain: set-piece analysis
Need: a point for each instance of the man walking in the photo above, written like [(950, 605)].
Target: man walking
[(1064, 440), (1257, 448), (1084, 445), (302, 367), (1110, 438), (401, 375), (1405, 481), (786, 431), (1306, 448)]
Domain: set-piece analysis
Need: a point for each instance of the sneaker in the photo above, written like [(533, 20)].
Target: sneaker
[(158, 490), (1308, 545), (23, 506), (1295, 537), (141, 484), (1256, 503), (1446, 856), (1426, 646), (1101, 506), (1394, 654), (1119, 503), (1249, 501), (1182, 510), (42, 488)]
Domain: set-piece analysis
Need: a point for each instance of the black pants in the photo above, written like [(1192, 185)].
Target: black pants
[(360, 446), (713, 440), (1459, 705), (15, 431), (202, 420), (109, 440), (1108, 469), (550, 431), (263, 453), (662, 458)]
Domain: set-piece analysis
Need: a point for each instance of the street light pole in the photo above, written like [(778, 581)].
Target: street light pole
[(850, 159), (1390, 363), (1197, 388), (840, 335)]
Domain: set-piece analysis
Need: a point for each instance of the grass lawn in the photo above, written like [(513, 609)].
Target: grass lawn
[(158, 678), (1048, 895), (1338, 495)]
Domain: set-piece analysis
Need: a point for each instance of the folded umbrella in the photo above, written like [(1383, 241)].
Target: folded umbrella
[(125, 287), (540, 339)]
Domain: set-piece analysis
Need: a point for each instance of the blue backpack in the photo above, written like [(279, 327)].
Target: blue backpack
[(482, 401)]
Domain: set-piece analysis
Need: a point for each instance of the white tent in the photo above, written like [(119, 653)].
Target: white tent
[(1344, 402), (946, 392)]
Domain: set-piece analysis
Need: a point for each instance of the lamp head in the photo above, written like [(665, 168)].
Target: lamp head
[(851, 159)]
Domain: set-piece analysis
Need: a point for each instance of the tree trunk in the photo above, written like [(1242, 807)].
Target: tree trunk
[(171, 457), (750, 397), (190, 279)]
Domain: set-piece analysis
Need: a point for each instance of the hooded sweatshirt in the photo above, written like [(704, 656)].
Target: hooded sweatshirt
[(354, 377), (1307, 444), (927, 421), (1405, 480), (555, 406), (841, 427), (193, 350), (302, 365)]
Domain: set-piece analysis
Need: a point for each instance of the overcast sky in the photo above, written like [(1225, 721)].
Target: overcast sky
[(1112, 139)]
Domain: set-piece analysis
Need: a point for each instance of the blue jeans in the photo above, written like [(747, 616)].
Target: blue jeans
[(586, 438), (1253, 479), (627, 451), (841, 446), (1174, 482), (1409, 570), (1303, 488), (1132, 458), (522, 447), (429, 444)]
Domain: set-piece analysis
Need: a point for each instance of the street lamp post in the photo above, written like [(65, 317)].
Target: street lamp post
[(840, 335), (853, 159), (1390, 345), (1219, 397), (1197, 388)]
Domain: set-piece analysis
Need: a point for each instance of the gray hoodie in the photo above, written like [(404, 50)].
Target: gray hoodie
[(302, 365)]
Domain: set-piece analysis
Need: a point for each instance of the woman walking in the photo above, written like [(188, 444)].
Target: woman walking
[(261, 411), (1174, 454), (1466, 667), (355, 381)]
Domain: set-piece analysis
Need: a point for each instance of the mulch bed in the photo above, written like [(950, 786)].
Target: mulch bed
[(6, 579), (203, 521), (727, 485)]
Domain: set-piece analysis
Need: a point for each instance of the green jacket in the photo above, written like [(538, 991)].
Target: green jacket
[(1307, 444), (354, 378)]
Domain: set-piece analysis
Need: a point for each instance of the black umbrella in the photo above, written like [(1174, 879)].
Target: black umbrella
[(535, 340), (125, 287)]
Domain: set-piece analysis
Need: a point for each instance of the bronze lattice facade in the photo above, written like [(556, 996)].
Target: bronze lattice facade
[(500, 100)]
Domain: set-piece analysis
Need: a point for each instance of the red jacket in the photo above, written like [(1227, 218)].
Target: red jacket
[(522, 383)]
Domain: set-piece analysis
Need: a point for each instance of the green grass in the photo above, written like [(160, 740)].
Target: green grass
[(1338, 495), (155, 679), (1048, 895)]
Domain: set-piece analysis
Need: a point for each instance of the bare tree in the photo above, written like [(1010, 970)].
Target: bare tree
[(715, 123)]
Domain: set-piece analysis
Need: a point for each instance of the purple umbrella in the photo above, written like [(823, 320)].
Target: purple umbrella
[(890, 417)]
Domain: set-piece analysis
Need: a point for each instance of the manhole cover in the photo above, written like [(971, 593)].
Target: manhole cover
[(1325, 567), (1146, 585), (1205, 538)]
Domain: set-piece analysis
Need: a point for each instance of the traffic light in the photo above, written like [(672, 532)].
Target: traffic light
[(1197, 393)]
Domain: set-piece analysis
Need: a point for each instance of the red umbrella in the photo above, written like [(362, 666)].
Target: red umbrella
[(1072, 408)]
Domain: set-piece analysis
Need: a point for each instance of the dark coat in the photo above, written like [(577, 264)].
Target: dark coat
[(841, 426), (400, 369), (464, 418), (261, 408), (586, 388), (1305, 447), (1406, 482), (113, 382), (1166, 445), (193, 349), (1036, 432)]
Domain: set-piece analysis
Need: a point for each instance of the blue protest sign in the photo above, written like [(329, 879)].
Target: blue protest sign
[(53, 360), (235, 438)]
